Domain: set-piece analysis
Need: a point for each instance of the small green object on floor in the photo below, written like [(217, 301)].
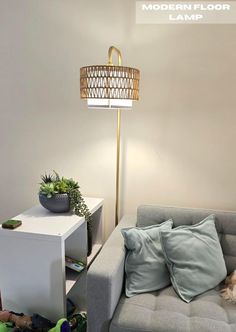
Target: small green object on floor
[(78, 322), (61, 326)]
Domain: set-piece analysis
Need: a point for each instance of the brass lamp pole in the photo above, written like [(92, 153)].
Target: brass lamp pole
[(113, 87), (110, 51)]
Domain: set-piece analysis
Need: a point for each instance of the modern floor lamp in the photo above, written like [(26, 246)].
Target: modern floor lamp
[(113, 87)]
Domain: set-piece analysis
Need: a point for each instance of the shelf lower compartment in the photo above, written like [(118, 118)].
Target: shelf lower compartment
[(72, 277)]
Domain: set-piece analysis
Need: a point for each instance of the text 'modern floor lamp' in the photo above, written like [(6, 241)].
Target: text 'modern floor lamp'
[(113, 87)]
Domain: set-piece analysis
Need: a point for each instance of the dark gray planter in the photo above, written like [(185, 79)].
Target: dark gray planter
[(57, 203)]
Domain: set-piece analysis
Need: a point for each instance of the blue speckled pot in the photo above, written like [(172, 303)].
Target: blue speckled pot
[(58, 203)]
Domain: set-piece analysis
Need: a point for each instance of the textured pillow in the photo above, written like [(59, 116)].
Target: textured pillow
[(194, 258), (145, 265)]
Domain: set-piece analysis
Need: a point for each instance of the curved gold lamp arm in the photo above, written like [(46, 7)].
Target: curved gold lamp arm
[(110, 51)]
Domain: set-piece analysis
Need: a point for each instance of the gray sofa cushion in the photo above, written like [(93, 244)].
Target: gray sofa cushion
[(225, 224), (164, 311)]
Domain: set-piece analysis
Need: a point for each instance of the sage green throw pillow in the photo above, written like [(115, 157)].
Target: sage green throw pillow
[(145, 265), (194, 258)]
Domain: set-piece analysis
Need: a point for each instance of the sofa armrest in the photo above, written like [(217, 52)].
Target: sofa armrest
[(105, 279)]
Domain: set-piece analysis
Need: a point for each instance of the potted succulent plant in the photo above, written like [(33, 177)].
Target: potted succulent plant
[(59, 194)]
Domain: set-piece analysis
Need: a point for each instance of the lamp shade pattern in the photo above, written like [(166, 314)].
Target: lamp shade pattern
[(109, 82)]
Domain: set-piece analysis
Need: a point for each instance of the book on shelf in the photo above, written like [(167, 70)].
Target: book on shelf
[(74, 264)]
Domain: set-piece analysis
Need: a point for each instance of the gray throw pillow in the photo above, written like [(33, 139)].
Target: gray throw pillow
[(145, 265), (194, 258)]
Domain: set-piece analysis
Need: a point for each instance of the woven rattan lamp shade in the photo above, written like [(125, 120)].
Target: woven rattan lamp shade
[(109, 86)]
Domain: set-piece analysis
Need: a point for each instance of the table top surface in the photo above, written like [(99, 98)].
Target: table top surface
[(40, 221)]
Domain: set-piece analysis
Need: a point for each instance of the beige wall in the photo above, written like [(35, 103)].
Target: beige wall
[(178, 141)]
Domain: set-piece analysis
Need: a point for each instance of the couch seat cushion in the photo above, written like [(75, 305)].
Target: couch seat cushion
[(164, 311)]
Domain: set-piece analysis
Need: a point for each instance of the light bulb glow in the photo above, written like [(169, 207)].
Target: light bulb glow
[(109, 103)]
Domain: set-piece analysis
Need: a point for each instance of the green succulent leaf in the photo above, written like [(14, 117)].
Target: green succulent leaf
[(48, 189), (57, 177), (47, 178)]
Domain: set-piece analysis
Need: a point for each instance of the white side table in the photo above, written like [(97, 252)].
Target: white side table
[(33, 277)]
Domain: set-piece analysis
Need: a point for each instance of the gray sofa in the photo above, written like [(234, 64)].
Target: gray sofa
[(160, 311)]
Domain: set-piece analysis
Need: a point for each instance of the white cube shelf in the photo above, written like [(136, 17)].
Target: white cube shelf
[(33, 276)]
